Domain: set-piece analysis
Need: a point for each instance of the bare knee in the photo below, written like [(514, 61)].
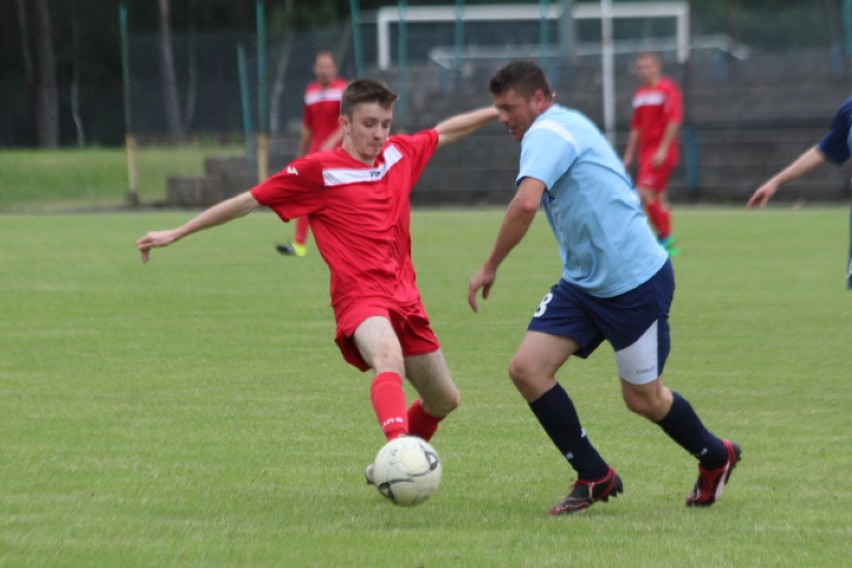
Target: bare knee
[(653, 401), (440, 404), (529, 381)]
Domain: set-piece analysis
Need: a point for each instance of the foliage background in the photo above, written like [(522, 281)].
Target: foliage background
[(80, 66)]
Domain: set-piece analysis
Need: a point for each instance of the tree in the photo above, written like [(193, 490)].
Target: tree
[(47, 99), (27, 62), (170, 92)]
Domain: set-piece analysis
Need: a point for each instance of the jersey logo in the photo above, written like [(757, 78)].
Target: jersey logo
[(292, 170), (333, 177)]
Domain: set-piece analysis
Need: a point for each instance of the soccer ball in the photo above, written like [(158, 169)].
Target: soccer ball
[(407, 470)]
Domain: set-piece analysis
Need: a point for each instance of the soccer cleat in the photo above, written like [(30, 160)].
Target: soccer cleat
[(585, 493), (711, 482), (292, 249), (668, 243), (369, 474)]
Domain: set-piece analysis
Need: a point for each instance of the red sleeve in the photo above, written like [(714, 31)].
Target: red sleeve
[(674, 104), (294, 191), (419, 148)]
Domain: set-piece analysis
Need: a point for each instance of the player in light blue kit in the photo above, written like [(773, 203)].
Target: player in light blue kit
[(617, 285), (836, 147)]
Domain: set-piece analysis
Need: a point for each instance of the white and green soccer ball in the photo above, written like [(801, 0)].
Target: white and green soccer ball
[(407, 471)]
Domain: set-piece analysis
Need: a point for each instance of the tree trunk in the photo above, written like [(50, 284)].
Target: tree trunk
[(29, 70), (169, 79), (48, 92), (75, 81)]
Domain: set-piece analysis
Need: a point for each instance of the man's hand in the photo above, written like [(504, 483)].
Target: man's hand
[(155, 239), (763, 194), (483, 279)]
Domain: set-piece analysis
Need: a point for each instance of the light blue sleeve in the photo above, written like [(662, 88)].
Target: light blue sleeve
[(547, 152)]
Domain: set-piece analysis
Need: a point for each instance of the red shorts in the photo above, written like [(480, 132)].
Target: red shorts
[(653, 178), (411, 324)]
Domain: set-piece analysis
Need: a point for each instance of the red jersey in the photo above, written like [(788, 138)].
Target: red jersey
[(360, 215), (322, 109), (653, 109)]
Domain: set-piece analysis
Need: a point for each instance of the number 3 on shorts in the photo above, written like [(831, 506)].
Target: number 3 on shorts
[(542, 307)]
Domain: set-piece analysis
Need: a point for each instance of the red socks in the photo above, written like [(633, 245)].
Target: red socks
[(661, 218), (300, 237), (420, 422), (389, 403), (388, 399)]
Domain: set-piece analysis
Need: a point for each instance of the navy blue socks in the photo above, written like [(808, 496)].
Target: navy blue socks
[(557, 415), (684, 427)]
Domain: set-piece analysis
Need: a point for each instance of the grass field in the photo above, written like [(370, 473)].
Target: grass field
[(73, 180), (194, 411)]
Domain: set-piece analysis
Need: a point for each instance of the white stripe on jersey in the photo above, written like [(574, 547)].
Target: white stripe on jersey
[(323, 95), (557, 129), (650, 98), (333, 177)]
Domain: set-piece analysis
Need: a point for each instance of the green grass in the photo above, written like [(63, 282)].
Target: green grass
[(194, 411), (63, 180)]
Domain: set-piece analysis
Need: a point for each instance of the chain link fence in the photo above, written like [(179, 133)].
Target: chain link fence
[(756, 95)]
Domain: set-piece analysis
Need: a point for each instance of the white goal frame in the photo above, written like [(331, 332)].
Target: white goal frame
[(605, 11)]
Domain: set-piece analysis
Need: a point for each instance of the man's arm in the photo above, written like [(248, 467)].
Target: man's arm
[(804, 164), (457, 127), (630, 150), (225, 211), (669, 134), (519, 216), (333, 140), (306, 136)]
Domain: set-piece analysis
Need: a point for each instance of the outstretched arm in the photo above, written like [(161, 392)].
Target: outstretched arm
[(630, 150), (519, 216), (806, 163), (457, 127), (238, 206)]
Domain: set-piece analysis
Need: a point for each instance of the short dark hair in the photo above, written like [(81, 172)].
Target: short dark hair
[(325, 53), (525, 77), (365, 91)]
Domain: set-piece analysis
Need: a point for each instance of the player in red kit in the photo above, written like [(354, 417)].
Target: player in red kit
[(654, 128), (320, 130), (356, 198)]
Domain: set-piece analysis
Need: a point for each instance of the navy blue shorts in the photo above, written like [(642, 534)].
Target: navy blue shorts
[(635, 323)]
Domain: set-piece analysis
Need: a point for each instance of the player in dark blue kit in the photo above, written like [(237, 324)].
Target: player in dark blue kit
[(836, 147)]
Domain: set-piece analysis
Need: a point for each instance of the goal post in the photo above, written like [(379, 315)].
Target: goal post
[(605, 11)]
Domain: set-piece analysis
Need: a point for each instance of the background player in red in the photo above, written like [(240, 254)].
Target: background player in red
[(320, 130), (654, 128), (357, 198)]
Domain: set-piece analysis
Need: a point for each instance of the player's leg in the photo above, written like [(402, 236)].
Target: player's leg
[(849, 272), (379, 346), (300, 237), (642, 345), (533, 371), (652, 185), (439, 396), (298, 246)]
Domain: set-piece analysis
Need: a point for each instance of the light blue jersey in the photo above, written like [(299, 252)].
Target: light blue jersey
[(606, 245)]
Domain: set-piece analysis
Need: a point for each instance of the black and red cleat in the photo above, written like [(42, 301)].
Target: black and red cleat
[(585, 493), (711, 482)]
